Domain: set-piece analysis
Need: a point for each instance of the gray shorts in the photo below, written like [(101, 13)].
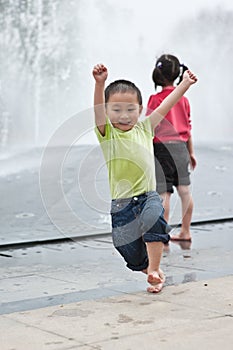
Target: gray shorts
[(171, 166)]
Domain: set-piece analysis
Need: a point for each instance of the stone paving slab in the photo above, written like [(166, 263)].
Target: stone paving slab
[(187, 316)]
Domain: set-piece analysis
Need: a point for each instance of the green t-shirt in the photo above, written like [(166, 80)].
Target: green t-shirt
[(129, 158)]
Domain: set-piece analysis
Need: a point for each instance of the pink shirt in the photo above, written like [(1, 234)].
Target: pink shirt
[(176, 126)]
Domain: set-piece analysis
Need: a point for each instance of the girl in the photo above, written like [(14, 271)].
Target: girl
[(173, 147)]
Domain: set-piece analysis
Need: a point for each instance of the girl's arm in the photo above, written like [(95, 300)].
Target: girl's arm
[(100, 74), (159, 113), (193, 160)]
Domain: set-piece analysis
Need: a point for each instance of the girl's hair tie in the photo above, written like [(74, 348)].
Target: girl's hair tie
[(159, 64)]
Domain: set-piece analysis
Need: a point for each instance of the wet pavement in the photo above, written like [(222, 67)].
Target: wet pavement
[(42, 201), (85, 269)]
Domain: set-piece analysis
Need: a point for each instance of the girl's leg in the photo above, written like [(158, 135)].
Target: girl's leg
[(187, 210), (166, 196)]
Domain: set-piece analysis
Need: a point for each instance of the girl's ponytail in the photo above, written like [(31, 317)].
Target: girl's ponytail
[(183, 68), (157, 75)]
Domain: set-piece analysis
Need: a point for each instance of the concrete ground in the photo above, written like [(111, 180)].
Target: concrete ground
[(79, 295), (187, 316)]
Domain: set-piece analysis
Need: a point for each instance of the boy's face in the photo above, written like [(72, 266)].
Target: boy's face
[(123, 110)]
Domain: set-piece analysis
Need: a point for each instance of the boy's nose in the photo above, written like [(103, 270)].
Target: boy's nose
[(124, 116)]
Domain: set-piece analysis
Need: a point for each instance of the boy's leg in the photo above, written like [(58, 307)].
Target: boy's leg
[(187, 210), (155, 276), (155, 236)]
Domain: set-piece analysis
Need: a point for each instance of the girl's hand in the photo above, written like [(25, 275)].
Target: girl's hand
[(190, 77), (193, 161), (100, 73)]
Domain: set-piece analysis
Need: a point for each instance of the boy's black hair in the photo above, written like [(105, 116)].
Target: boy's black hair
[(167, 69), (122, 86)]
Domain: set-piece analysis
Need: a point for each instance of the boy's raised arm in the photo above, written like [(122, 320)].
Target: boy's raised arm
[(159, 113), (100, 74)]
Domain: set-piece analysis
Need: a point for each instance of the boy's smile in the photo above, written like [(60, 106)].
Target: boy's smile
[(123, 110)]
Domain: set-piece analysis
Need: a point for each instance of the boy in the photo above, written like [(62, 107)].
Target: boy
[(139, 230)]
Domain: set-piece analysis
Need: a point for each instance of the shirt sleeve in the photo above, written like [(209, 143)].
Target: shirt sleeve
[(107, 135), (147, 127)]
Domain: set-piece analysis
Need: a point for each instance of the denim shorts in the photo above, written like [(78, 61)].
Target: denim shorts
[(136, 221)]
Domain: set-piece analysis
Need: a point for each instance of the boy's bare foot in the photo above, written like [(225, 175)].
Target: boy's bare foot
[(156, 281)]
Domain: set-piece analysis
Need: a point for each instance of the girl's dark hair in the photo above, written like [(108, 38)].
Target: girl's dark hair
[(122, 86), (167, 70)]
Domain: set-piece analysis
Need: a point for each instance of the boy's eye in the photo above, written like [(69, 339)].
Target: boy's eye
[(116, 110), (131, 109)]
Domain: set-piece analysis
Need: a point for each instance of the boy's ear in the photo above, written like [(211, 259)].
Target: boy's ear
[(140, 109)]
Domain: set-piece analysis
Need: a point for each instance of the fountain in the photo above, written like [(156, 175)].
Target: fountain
[(38, 68), (48, 48)]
